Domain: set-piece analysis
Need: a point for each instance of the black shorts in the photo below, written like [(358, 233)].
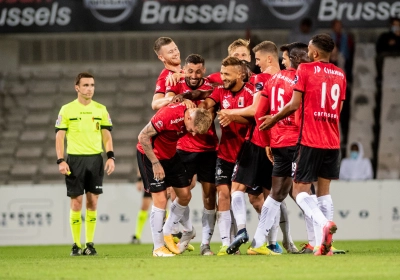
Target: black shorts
[(311, 163), (203, 164), (175, 173), (223, 172), (87, 174), (283, 160), (253, 168), (146, 194)]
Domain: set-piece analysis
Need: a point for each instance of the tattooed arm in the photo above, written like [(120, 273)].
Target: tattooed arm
[(145, 141)]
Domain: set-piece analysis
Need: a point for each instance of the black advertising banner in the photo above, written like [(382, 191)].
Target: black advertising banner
[(26, 16)]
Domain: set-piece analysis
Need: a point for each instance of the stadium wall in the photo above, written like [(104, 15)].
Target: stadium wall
[(39, 214)]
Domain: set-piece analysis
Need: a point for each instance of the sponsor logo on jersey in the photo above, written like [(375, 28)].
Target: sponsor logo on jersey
[(177, 120)]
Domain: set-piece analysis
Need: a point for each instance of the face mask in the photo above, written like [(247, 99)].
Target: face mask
[(354, 154), (395, 29)]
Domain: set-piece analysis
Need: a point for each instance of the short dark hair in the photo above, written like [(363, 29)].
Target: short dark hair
[(324, 42), (82, 75), (267, 46), (291, 46), (231, 61), (160, 42), (195, 59)]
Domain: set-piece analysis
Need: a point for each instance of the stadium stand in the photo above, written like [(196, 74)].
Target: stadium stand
[(389, 145), (363, 97)]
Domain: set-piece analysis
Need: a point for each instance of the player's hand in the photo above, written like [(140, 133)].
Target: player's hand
[(270, 156), (188, 103), (110, 166), (226, 111), (268, 122), (63, 167), (173, 79), (224, 119), (158, 171), (177, 99)]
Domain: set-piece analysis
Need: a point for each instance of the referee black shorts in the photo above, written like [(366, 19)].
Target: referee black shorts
[(175, 173), (87, 174)]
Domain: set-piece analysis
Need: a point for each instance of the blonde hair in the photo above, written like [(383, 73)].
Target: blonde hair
[(202, 120), (238, 43)]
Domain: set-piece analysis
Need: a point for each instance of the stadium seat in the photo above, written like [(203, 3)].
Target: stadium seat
[(29, 152), (33, 136), (128, 118), (23, 171)]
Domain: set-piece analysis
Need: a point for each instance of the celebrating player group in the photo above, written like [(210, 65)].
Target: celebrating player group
[(279, 137)]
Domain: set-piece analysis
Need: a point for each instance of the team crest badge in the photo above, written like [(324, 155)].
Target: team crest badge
[(241, 102), (226, 104)]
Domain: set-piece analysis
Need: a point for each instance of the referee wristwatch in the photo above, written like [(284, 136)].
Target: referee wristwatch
[(60, 160)]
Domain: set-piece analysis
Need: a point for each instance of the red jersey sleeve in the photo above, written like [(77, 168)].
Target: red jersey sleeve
[(300, 80), (214, 78)]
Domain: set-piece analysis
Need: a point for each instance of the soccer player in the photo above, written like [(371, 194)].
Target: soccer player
[(240, 49), (322, 87), (161, 167), (278, 92), (168, 52), (198, 152), (252, 169), (233, 94), (87, 125)]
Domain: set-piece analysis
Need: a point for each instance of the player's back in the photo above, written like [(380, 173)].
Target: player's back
[(324, 88)]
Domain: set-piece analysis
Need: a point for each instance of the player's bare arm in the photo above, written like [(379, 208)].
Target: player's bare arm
[(225, 119), (108, 146), (160, 100), (248, 111), (63, 167), (290, 108), (145, 141), (193, 95)]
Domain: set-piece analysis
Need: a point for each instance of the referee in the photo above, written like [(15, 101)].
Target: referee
[(87, 125)]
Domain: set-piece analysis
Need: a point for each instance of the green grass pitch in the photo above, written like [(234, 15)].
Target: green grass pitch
[(364, 260)]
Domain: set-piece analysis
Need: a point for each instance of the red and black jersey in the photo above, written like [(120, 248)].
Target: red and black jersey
[(280, 90), (199, 142), (324, 88), (234, 134), (162, 79), (170, 126)]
